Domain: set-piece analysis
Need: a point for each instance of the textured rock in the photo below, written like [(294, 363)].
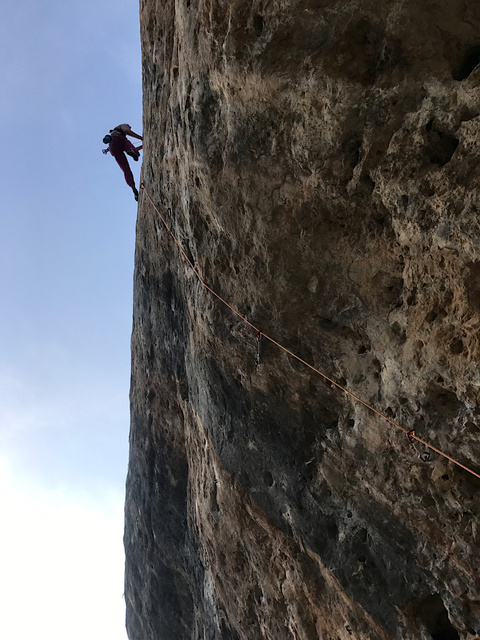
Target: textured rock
[(319, 163)]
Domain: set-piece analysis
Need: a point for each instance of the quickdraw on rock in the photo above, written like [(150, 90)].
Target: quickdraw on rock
[(258, 360), (425, 456)]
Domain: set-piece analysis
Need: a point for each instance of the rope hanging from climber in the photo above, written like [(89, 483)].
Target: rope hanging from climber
[(409, 433)]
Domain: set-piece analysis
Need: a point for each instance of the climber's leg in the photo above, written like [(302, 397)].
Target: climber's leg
[(125, 167)]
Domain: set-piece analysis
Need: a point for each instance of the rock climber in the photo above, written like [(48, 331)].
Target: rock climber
[(119, 145)]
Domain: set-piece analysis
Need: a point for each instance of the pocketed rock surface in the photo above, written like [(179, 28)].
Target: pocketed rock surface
[(318, 161)]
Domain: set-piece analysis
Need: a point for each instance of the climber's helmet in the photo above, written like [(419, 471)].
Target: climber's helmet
[(107, 139)]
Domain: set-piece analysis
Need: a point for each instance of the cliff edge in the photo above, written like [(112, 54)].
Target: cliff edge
[(319, 163)]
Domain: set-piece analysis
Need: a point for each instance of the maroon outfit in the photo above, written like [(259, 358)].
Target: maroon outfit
[(117, 147)]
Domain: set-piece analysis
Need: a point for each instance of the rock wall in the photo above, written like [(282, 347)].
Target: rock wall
[(319, 161)]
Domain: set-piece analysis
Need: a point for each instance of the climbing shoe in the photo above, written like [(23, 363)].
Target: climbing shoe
[(135, 194), (133, 154)]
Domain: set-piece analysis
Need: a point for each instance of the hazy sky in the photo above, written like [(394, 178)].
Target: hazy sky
[(70, 71)]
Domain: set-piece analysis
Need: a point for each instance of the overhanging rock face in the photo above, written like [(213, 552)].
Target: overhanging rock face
[(318, 161)]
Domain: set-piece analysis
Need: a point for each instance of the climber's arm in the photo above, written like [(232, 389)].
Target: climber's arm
[(134, 135)]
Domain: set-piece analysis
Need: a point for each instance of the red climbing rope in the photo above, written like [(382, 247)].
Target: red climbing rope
[(410, 433)]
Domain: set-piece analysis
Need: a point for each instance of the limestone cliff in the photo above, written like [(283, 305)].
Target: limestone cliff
[(319, 162)]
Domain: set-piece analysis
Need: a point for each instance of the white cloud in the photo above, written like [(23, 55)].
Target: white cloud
[(61, 562)]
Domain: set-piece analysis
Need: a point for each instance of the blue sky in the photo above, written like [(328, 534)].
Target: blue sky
[(70, 72)]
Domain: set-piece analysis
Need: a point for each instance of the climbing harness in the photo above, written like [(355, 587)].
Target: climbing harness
[(410, 433)]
